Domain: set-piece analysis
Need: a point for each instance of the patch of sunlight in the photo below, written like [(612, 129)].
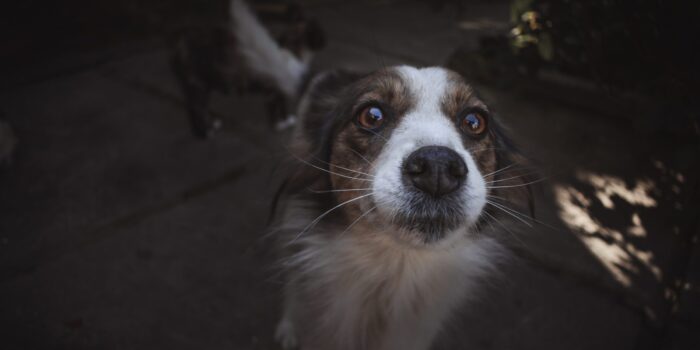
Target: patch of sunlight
[(607, 186), (666, 171), (607, 244), (637, 229), (613, 257)]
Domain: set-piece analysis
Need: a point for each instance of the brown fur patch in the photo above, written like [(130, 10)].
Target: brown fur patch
[(354, 149)]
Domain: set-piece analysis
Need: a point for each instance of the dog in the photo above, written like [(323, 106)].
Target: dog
[(384, 226), (212, 59)]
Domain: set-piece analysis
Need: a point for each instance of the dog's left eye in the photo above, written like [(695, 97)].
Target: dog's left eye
[(473, 123), (371, 117)]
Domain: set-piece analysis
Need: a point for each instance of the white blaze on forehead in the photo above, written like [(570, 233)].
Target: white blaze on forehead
[(424, 125)]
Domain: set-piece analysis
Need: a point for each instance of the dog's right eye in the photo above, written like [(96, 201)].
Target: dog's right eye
[(371, 117)]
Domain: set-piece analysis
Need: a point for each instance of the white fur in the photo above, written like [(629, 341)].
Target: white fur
[(263, 55), (414, 289), (425, 125)]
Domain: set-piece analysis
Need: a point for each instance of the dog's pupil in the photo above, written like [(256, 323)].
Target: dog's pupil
[(375, 113), (473, 121)]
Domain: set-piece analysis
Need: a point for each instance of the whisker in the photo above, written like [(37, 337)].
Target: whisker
[(481, 149), (270, 233), (497, 197), (499, 170), (315, 221), (498, 206), (374, 132), (511, 178), (340, 190), (521, 185), (328, 171), (526, 216), (360, 155), (340, 167), (358, 219), (493, 218), (513, 167)]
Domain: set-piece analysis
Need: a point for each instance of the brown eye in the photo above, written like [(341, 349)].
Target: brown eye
[(371, 117), (473, 123)]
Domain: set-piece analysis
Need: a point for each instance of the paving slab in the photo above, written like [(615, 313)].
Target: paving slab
[(93, 150), (529, 308), (414, 31), (192, 276), (618, 190)]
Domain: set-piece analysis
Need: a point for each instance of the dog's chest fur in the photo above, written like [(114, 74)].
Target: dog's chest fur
[(367, 291)]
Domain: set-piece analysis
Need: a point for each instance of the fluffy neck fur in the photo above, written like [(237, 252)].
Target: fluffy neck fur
[(363, 289)]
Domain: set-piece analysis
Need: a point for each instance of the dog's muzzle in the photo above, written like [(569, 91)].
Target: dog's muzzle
[(433, 177)]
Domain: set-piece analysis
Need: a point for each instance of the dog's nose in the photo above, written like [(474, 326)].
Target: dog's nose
[(435, 170)]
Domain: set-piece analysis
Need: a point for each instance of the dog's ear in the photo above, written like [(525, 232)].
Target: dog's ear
[(516, 174), (322, 108), (321, 112)]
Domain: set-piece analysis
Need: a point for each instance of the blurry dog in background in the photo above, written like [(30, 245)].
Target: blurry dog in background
[(212, 60), (388, 224)]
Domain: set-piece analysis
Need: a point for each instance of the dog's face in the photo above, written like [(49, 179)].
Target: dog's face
[(411, 149)]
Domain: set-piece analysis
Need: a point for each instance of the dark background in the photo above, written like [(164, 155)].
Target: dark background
[(120, 229)]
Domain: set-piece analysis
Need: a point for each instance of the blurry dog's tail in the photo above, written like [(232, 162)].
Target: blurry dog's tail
[(262, 54)]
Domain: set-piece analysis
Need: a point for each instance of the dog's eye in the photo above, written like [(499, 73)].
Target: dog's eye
[(473, 123), (371, 117)]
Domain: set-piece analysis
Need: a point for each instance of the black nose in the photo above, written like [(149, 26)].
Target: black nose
[(435, 170)]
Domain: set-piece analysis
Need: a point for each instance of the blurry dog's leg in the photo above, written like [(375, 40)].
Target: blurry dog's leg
[(203, 123), (278, 114), (196, 91), (285, 334)]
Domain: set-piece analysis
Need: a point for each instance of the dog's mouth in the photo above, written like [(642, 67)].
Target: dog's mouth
[(429, 217)]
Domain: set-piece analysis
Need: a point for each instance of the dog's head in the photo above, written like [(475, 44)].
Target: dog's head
[(414, 150)]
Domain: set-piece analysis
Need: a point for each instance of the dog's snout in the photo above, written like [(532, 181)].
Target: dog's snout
[(435, 170)]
